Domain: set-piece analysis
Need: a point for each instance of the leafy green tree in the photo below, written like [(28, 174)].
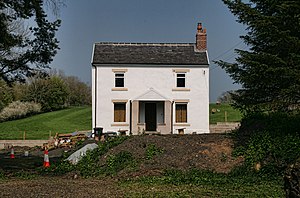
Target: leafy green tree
[(269, 71), (23, 51), (51, 93), (6, 95), (79, 92), (226, 97)]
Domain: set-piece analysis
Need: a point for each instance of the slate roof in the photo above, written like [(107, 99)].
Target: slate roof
[(148, 53)]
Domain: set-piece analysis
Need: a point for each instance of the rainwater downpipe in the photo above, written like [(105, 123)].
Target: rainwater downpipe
[(130, 118), (172, 116), (95, 92)]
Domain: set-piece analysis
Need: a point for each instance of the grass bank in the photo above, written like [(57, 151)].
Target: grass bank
[(233, 115), (40, 126), (80, 118)]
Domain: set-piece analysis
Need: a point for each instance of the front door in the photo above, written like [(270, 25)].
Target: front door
[(150, 116)]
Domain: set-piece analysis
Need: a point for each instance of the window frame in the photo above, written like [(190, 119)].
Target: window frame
[(181, 78), (122, 78)]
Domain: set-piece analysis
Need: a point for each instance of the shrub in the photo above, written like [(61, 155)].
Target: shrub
[(17, 109), (273, 141)]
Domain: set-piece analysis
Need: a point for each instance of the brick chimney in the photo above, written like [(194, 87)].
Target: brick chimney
[(201, 38)]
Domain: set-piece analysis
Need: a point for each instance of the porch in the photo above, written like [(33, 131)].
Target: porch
[(151, 117)]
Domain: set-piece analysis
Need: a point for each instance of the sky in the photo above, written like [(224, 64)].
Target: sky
[(85, 22)]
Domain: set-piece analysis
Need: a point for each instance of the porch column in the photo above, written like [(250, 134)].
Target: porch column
[(168, 117), (135, 117)]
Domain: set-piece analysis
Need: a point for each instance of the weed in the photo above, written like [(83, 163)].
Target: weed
[(241, 181), (24, 175), (224, 157), (152, 150), (2, 175), (88, 165), (120, 161)]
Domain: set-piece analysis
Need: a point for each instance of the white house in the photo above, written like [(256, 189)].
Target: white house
[(151, 87)]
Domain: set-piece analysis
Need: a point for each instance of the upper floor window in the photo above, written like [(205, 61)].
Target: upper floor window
[(180, 80), (119, 79)]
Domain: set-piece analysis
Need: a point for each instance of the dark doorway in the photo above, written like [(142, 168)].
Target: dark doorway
[(150, 116)]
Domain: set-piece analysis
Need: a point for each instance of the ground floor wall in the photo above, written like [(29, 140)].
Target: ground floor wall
[(165, 118)]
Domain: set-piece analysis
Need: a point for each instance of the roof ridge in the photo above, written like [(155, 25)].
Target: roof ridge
[(144, 44)]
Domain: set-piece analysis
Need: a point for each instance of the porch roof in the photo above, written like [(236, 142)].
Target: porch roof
[(151, 95)]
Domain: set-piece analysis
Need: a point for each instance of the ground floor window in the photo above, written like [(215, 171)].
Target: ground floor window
[(119, 112), (181, 113)]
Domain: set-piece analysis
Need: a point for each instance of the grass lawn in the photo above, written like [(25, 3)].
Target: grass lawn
[(204, 185), (233, 115), (80, 118), (39, 126)]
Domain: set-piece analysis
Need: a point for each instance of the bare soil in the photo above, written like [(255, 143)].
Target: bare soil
[(207, 151)]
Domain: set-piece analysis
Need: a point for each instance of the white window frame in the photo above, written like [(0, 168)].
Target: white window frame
[(181, 77), (121, 76)]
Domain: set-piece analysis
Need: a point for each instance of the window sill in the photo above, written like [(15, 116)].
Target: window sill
[(182, 124), (120, 124), (181, 89), (119, 89)]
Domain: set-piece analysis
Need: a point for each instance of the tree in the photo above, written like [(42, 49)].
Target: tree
[(270, 71), (6, 95), (22, 55), (226, 97), (79, 92), (51, 93)]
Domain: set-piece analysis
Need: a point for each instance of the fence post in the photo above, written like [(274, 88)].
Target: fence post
[(24, 135), (225, 116)]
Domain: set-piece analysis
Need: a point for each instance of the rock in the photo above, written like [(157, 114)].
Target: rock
[(75, 157)]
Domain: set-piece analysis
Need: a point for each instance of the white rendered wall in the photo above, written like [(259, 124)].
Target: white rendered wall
[(139, 80)]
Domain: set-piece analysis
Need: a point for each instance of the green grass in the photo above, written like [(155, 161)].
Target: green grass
[(233, 115), (199, 183), (39, 126), (79, 118)]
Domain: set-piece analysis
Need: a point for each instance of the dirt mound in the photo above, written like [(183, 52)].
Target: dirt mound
[(205, 151)]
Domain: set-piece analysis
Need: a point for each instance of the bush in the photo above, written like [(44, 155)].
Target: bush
[(272, 141), (17, 109)]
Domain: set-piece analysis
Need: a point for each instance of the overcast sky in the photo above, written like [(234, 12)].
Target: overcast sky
[(85, 22)]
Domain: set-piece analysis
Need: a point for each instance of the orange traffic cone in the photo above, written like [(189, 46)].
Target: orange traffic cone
[(12, 153), (46, 159)]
